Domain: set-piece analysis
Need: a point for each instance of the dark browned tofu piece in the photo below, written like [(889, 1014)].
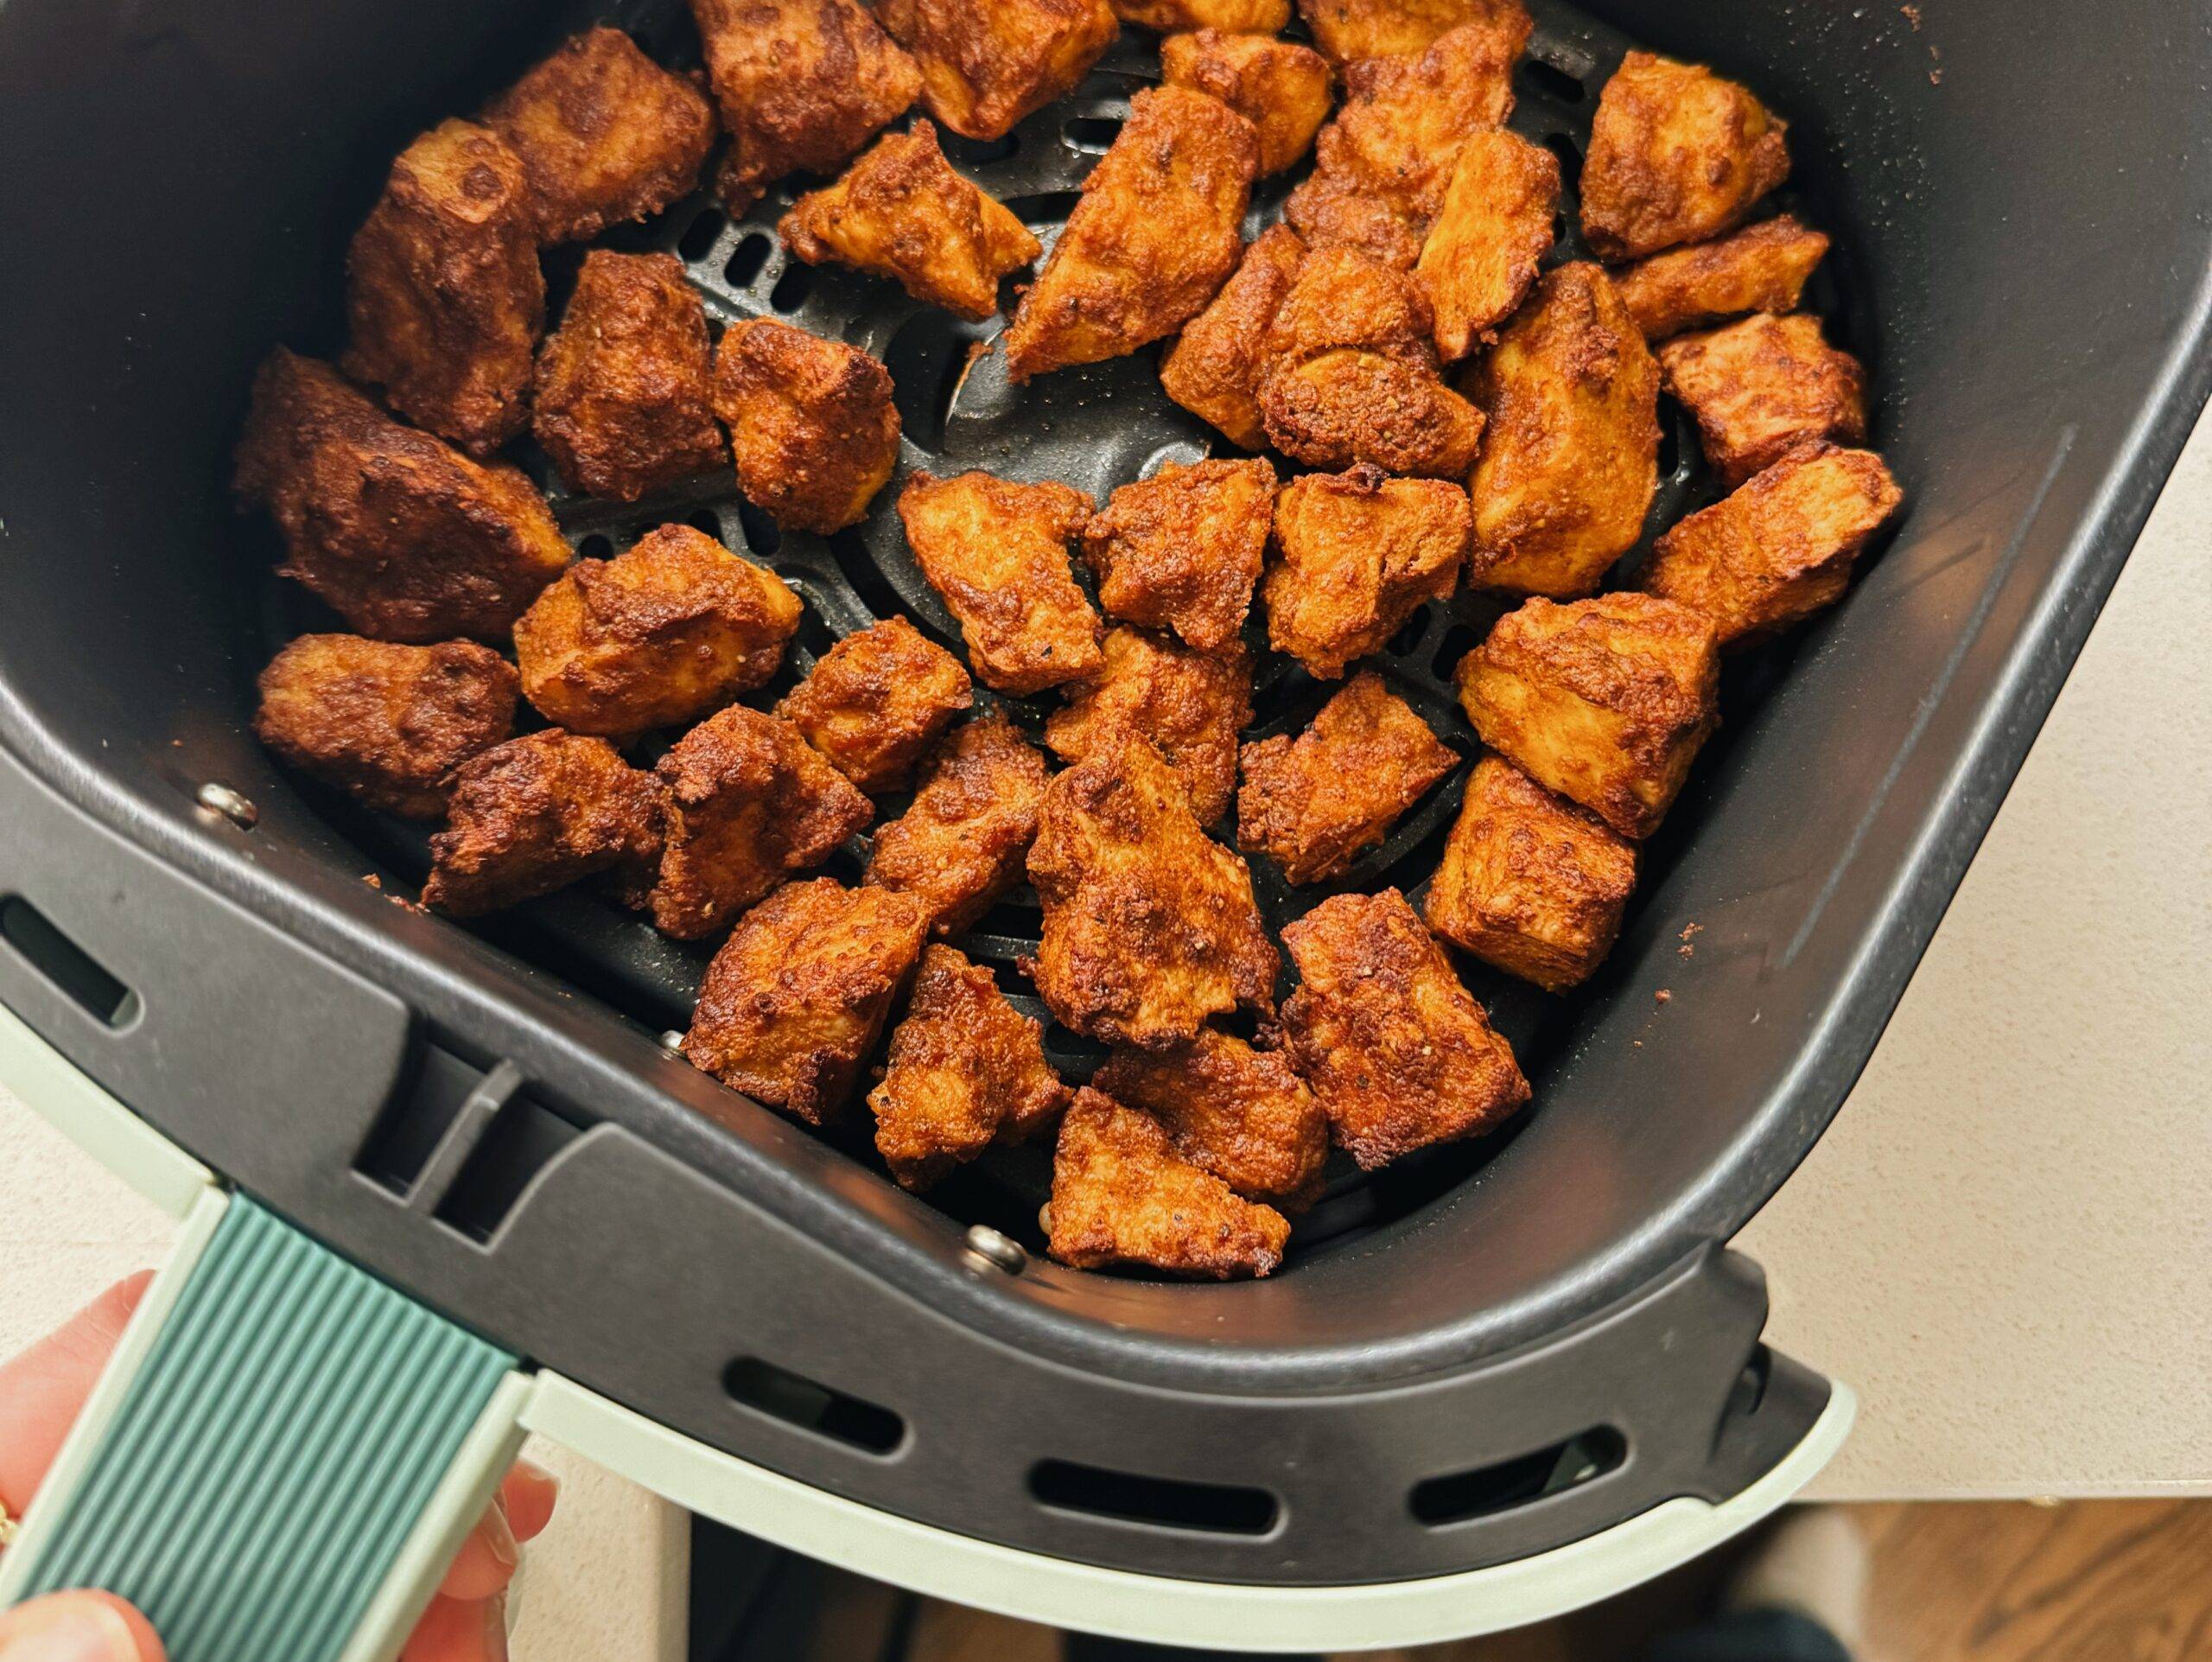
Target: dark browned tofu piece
[(1243, 1114), (1760, 388), (802, 84), (386, 724), (444, 301), (1215, 367), (1762, 268), (794, 1002), (877, 700), (399, 533), (997, 552), (1231, 16), (1351, 29), (1357, 555), (1571, 455), (1528, 882), (1493, 225), (1150, 926), (967, 1069), (961, 845), (1605, 701), (902, 213), (624, 400), (986, 64), (1122, 1195), (1280, 87), (1676, 155), (1155, 234), (672, 628), (536, 814), (749, 801), (1190, 705), (1397, 1049), (1780, 547), (1181, 549), (1313, 804), (812, 428), (604, 133)]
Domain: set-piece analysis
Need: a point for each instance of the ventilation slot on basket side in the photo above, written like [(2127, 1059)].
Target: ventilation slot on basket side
[(1162, 1502), (812, 1406), (71, 969), (1457, 1497)]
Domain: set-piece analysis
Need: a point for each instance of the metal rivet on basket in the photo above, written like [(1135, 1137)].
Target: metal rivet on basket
[(672, 1041), (987, 1247), (222, 800)]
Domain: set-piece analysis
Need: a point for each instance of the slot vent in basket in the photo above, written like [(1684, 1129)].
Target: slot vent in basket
[(1161, 1502), (812, 1406), (1484, 1491)]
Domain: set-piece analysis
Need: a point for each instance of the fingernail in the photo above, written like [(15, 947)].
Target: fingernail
[(500, 1538), (66, 1629)]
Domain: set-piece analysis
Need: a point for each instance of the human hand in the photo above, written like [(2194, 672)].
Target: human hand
[(41, 1391)]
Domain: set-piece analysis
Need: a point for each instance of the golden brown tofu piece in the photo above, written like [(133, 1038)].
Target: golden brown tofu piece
[(1150, 925), (997, 552), (1155, 234), (1280, 87), (1190, 705), (1181, 551), (1571, 455), (1529, 883), (1760, 388), (624, 400), (749, 801), (1230, 16), (812, 428), (1397, 1049), (536, 814), (1122, 1195), (1494, 225), (671, 628), (1605, 701), (902, 213), (967, 1069), (1215, 367), (877, 700), (398, 532), (1351, 29), (1676, 155), (960, 846), (384, 723), (1313, 804), (1358, 554), (1243, 1114), (802, 84), (1762, 268), (444, 301), (794, 1002), (1780, 547), (986, 64), (604, 133)]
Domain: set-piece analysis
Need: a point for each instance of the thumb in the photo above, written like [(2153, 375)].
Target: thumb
[(80, 1626)]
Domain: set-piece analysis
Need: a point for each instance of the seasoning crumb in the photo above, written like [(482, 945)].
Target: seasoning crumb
[(372, 880), (1689, 931), (1661, 996), (1912, 17), (1934, 77)]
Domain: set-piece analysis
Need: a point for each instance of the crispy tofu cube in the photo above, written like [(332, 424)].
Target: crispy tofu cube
[(1190, 705), (986, 64), (1243, 1114), (1676, 155), (749, 801), (1358, 555), (1215, 367), (812, 428), (1762, 268), (1605, 701), (1314, 803), (1494, 225), (671, 628), (967, 1070), (877, 700), (1760, 388), (961, 843), (1230, 16), (1351, 29), (1528, 882), (1780, 547), (1122, 1195), (1571, 455), (1150, 925), (795, 998), (398, 533), (1155, 234), (1280, 87), (536, 814), (444, 300), (997, 552), (624, 400), (1182, 550), (604, 134), (902, 213), (1396, 1050)]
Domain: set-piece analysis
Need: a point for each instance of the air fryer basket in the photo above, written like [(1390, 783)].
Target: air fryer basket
[(1502, 1347)]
